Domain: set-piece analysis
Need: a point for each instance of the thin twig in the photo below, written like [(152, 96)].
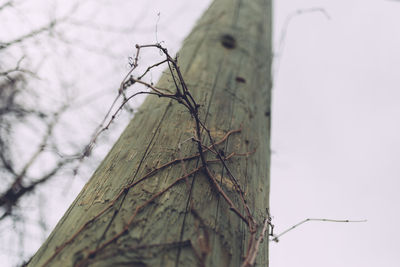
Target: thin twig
[(284, 31), (276, 237), (46, 28)]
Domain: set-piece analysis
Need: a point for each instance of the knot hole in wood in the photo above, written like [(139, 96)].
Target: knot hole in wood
[(228, 41)]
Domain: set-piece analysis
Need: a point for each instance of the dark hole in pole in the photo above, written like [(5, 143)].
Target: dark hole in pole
[(228, 41), (240, 79)]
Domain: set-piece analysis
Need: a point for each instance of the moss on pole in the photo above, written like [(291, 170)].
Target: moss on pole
[(135, 211)]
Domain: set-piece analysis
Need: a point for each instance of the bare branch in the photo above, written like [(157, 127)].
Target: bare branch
[(17, 68), (276, 237), (45, 28), (17, 189), (6, 4), (48, 27), (285, 28)]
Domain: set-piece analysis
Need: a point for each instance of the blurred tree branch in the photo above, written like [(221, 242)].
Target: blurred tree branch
[(38, 92), (15, 88), (6, 4)]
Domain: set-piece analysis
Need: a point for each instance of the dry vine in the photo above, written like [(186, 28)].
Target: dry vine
[(275, 238), (182, 96)]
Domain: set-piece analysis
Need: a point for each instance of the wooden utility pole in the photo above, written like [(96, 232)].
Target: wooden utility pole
[(154, 200)]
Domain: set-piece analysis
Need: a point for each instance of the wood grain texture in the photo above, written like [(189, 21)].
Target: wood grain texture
[(226, 65)]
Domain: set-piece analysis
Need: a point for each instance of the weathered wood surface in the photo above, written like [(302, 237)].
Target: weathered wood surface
[(232, 83)]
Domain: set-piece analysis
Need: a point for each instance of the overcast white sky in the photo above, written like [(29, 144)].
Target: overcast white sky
[(336, 112), (335, 131)]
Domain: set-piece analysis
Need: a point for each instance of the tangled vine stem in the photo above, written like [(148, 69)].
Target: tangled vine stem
[(181, 96)]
